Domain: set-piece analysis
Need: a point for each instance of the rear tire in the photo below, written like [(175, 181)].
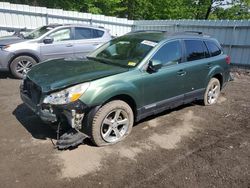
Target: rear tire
[(112, 123), (212, 92), (21, 65)]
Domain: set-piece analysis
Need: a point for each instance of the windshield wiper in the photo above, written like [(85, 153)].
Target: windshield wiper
[(98, 59), (105, 61)]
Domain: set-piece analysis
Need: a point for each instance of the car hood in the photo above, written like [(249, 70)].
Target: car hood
[(58, 74), (10, 40)]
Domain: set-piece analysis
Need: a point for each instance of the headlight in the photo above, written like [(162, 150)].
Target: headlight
[(4, 47), (68, 95)]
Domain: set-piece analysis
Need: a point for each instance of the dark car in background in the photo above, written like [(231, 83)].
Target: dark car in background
[(19, 53)]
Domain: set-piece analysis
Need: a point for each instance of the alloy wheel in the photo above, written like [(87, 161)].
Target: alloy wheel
[(23, 67), (114, 125), (213, 93)]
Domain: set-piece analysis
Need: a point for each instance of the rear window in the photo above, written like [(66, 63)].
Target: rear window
[(213, 48), (195, 49)]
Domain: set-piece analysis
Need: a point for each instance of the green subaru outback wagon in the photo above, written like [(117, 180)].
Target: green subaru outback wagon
[(127, 79)]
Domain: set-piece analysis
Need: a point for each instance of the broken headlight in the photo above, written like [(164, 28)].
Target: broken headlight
[(68, 95)]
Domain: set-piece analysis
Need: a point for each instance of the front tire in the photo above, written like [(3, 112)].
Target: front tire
[(112, 123), (21, 65), (212, 92)]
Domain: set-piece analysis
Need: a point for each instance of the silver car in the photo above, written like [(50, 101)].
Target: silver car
[(19, 53)]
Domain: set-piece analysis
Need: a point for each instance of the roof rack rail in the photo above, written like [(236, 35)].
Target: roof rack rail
[(197, 32), (138, 31), (190, 33), (54, 24)]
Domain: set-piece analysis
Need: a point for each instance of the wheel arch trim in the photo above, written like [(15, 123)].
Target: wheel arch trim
[(216, 72), (35, 57)]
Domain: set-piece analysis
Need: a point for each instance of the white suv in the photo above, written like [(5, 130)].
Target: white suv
[(19, 53)]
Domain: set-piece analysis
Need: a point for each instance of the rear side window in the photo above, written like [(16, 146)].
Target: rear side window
[(87, 33), (195, 49), (83, 33), (213, 48), (97, 33)]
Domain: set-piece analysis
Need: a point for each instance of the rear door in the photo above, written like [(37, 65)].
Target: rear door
[(62, 46), (196, 67), (86, 40)]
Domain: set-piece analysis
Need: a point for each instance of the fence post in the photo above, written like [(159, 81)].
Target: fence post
[(47, 18), (233, 41), (176, 25), (133, 27)]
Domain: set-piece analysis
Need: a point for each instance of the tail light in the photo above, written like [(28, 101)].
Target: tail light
[(228, 60)]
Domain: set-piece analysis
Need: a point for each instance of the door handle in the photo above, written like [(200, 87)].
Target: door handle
[(69, 45), (209, 65), (181, 72), (95, 45)]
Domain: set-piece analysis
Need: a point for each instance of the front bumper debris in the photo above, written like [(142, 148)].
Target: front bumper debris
[(72, 112), (70, 139)]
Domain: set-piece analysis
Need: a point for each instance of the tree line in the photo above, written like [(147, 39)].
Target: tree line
[(152, 9)]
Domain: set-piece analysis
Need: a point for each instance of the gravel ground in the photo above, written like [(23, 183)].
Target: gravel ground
[(191, 146)]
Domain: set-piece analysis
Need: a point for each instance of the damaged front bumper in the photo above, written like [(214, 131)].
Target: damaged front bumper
[(73, 112)]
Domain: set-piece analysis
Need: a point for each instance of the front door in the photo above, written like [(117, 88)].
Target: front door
[(61, 47), (164, 88)]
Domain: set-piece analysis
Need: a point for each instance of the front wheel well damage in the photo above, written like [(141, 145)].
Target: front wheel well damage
[(90, 112), (126, 98)]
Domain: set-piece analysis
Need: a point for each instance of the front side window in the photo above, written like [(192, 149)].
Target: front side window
[(61, 35), (195, 49), (213, 48), (170, 53), (83, 33)]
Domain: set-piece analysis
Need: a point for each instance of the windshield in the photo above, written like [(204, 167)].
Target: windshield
[(126, 51), (37, 32)]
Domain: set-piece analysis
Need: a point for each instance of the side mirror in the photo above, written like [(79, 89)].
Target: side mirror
[(154, 66), (48, 40)]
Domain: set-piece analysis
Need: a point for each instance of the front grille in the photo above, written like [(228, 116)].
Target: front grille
[(32, 91)]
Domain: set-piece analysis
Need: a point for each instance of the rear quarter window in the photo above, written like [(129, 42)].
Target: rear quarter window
[(213, 48), (97, 33), (195, 49)]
